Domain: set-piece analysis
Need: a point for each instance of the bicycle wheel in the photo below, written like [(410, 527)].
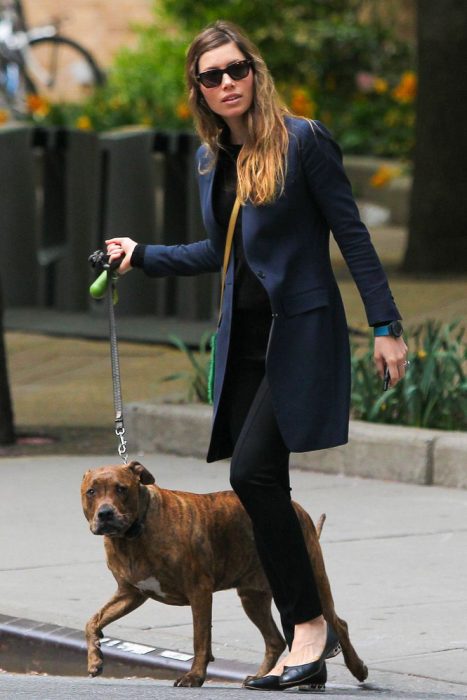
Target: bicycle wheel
[(61, 69)]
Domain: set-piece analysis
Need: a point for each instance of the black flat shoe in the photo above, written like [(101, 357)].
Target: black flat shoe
[(263, 683), (298, 675), (317, 684)]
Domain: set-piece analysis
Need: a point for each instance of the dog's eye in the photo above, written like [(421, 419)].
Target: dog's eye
[(121, 489), (90, 492)]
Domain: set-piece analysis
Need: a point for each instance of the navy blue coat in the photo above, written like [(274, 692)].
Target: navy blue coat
[(286, 244)]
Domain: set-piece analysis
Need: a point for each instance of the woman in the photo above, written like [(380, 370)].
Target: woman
[(282, 375)]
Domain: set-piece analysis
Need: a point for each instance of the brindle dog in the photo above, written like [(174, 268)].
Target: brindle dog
[(179, 548)]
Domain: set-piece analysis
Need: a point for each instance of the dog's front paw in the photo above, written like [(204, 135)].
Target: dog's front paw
[(94, 671), (95, 665), (190, 680)]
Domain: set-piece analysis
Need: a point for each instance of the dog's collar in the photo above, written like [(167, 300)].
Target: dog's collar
[(136, 528)]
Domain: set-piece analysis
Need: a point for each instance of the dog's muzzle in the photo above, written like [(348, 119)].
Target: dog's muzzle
[(107, 521)]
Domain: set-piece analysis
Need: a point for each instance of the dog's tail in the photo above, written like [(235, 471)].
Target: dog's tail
[(319, 524)]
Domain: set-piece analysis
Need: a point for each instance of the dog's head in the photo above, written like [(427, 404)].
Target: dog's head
[(114, 498)]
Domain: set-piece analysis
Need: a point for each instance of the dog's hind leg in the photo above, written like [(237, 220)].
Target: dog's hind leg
[(257, 605), (123, 602), (352, 660)]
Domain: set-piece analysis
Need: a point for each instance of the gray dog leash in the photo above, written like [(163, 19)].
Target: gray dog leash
[(115, 361)]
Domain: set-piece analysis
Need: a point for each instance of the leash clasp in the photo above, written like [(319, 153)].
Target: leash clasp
[(120, 433)]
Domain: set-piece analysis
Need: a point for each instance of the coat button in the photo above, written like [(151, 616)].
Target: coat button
[(261, 274)]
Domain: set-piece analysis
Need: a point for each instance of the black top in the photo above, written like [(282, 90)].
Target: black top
[(249, 293)]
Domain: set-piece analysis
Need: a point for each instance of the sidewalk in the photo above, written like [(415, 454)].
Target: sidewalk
[(394, 554)]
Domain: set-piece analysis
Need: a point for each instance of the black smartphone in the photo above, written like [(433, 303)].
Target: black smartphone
[(387, 377)]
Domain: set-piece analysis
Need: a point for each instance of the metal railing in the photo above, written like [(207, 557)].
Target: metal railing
[(64, 191)]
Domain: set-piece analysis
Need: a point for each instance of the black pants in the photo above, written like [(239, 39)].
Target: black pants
[(260, 475)]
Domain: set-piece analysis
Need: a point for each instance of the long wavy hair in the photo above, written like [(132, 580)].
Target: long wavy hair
[(261, 164)]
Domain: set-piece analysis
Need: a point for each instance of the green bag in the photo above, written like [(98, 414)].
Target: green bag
[(212, 366)]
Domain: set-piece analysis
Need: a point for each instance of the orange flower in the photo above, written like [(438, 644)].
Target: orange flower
[(406, 90), (84, 123), (301, 103), (183, 111), (383, 176), (4, 116), (37, 105)]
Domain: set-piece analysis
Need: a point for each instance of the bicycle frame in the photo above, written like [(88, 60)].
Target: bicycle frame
[(11, 57), (14, 44), (19, 61)]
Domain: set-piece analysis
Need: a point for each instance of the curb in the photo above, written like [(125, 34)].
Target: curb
[(374, 450), (30, 646)]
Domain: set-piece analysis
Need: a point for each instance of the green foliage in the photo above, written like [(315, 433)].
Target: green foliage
[(197, 376), (433, 393), (317, 52), (329, 61), (146, 84)]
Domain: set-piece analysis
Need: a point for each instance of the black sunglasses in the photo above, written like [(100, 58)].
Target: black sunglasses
[(236, 71)]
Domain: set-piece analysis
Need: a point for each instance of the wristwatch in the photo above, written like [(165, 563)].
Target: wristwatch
[(394, 328)]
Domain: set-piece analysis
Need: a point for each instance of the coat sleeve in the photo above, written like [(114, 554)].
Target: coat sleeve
[(190, 259), (331, 189)]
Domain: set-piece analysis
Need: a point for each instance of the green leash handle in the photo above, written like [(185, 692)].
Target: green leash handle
[(108, 276), (99, 287)]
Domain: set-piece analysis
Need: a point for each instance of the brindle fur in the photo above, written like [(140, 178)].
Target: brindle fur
[(188, 546)]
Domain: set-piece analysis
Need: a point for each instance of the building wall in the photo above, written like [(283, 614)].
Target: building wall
[(102, 26)]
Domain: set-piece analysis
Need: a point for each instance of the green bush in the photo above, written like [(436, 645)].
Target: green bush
[(433, 393), (355, 75)]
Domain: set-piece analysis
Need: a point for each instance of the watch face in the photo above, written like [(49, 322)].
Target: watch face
[(396, 328)]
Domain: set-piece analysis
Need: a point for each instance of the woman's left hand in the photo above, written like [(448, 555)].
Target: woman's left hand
[(390, 352)]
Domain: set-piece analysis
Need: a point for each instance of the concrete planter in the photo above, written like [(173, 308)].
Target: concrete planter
[(410, 455), (395, 196)]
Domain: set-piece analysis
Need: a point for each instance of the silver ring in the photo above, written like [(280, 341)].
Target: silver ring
[(404, 364)]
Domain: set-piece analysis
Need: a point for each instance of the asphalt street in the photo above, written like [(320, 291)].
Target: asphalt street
[(60, 688)]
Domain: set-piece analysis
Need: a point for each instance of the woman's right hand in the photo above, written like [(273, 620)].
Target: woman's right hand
[(121, 248)]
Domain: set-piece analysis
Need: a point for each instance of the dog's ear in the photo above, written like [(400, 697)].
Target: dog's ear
[(141, 472)]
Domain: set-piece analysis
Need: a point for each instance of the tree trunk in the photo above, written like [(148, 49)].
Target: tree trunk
[(7, 431), (438, 211)]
